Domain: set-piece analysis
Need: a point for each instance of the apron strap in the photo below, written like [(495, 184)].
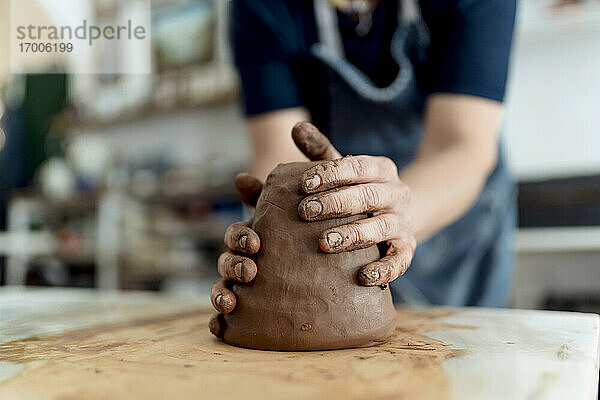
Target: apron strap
[(409, 11), (327, 25), (330, 50), (327, 22)]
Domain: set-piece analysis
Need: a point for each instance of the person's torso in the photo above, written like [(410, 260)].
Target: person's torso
[(374, 111), (369, 53)]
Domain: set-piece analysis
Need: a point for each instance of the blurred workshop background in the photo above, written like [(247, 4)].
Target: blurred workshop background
[(125, 181)]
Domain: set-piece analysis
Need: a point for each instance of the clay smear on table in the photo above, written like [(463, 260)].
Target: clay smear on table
[(176, 357)]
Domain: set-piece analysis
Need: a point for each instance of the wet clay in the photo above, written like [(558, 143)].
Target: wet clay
[(302, 298)]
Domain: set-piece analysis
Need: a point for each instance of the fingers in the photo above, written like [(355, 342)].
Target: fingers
[(240, 238), (236, 268), (249, 188), (347, 171), (394, 264), (232, 267), (346, 201), (360, 234), (216, 325), (313, 143), (223, 299)]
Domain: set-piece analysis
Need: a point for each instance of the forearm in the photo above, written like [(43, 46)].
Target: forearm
[(444, 185), (457, 154), (271, 142)]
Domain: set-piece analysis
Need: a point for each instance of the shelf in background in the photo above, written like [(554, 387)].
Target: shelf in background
[(558, 239)]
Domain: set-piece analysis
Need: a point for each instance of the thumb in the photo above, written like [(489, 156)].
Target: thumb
[(313, 143), (249, 188)]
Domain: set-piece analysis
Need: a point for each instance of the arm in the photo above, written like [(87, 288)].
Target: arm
[(455, 157), (272, 100), (466, 74), (457, 154), (270, 142)]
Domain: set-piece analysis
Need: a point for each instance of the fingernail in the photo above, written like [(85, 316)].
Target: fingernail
[(238, 271), (334, 240), (218, 300), (242, 241), (313, 182), (313, 208), (371, 276)]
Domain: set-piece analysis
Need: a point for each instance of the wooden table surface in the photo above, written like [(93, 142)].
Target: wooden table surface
[(80, 344)]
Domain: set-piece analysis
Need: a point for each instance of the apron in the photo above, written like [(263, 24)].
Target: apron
[(468, 262)]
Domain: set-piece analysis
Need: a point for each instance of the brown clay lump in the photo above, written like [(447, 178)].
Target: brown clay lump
[(303, 298)]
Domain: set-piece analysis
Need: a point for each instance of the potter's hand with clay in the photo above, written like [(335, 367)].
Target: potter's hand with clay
[(355, 185), (235, 265), (337, 187)]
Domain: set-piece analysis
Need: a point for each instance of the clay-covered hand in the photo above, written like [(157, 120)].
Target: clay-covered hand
[(235, 265), (355, 185)]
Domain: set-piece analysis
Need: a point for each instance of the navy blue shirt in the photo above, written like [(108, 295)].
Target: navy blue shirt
[(468, 53)]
